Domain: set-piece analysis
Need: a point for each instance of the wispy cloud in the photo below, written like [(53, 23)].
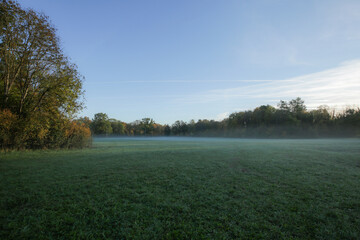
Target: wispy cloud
[(334, 87)]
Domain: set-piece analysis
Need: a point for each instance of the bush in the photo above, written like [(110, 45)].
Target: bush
[(41, 131), (78, 135)]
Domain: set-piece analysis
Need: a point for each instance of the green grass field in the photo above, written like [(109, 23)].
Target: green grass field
[(182, 189)]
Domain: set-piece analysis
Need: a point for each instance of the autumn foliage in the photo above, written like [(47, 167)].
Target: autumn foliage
[(40, 90), (77, 135), (41, 132)]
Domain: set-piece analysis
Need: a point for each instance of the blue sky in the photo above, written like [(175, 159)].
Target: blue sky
[(182, 60)]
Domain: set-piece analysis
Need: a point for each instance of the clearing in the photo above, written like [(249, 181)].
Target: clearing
[(151, 188)]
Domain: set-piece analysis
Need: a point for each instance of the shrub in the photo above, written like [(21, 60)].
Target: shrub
[(78, 135)]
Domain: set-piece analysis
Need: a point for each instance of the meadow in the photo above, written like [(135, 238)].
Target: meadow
[(183, 188)]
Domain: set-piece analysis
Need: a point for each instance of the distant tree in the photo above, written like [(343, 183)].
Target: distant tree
[(291, 113), (320, 116), (283, 105), (118, 127), (167, 130), (147, 126), (179, 128), (158, 129), (291, 119), (297, 106), (191, 127), (135, 128), (264, 115), (350, 117), (101, 125)]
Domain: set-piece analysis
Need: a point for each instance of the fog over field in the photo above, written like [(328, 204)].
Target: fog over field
[(182, 187), (214, 139), (172, 139)]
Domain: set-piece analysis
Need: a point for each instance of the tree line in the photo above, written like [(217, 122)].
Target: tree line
[(288, 119)]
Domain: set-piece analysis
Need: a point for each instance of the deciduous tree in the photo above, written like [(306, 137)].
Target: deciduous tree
[(101, 125), (38, 84)]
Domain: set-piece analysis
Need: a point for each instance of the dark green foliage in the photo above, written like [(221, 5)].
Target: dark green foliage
[(167, 130), (289, 120), (101, 125), (209, 189), (118, 127), (179, 128), (147, 126)]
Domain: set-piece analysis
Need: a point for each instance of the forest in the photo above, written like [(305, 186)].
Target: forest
[(289, 119)]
